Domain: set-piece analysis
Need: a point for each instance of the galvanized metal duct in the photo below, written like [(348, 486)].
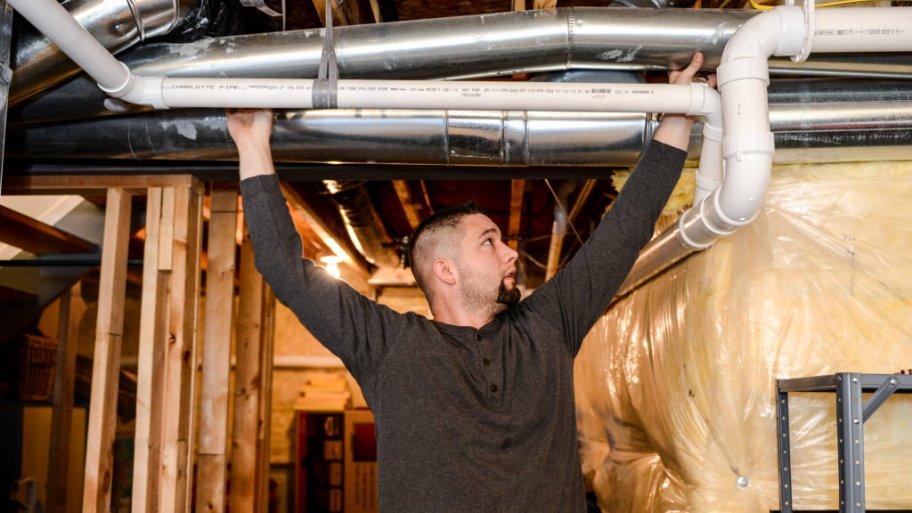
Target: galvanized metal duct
[(116, 24), (362, 222), (813, 121), (459, 47)]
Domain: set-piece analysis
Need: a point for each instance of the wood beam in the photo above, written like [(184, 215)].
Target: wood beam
[(64, 387), (94, 184), (405, 199), (517, 192), (219, 320), (29, 234), (106, 365)]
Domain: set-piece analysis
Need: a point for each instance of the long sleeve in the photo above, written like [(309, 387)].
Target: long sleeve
[(577, 295), (350, 325)]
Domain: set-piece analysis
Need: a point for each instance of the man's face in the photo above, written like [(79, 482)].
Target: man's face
[(487, 266)]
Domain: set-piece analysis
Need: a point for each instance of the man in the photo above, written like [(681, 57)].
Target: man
[(474, 409)]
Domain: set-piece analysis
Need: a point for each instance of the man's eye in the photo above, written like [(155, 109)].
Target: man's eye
[(489, 241)]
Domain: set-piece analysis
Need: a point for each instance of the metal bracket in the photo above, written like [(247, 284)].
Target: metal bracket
[(326, 86), (880, 396), (808, 39)]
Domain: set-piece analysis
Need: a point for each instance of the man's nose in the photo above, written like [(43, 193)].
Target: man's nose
[(510, 253)]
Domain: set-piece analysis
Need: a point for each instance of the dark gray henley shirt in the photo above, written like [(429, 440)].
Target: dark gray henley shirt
[(474, 421)]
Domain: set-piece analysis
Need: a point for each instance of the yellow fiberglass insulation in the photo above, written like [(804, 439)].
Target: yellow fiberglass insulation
[(676, 383)]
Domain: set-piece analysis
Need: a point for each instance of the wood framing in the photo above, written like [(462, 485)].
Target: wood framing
[(152, 328), (405, 198), (82, 184), (211, 474), (164, 449), (517, 192), (252, 392), (64, 386), (32, 235), (244, 470), (106, 366)]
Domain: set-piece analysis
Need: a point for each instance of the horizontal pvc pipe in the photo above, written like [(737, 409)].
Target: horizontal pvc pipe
[(870, 29), (692, 99)]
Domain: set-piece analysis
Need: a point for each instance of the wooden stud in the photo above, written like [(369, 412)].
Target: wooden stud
[(182, 352), (248, 385), (213, 430), (64, 386), (267, 336), (106, 366), (149, 399), (167, 352)]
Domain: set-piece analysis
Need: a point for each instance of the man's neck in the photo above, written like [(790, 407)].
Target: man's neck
[(460, 316)]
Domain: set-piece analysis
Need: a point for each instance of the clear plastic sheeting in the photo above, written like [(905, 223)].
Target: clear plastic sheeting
[(676, 383)]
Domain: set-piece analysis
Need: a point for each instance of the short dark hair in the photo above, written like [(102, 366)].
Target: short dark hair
[(449, 217)]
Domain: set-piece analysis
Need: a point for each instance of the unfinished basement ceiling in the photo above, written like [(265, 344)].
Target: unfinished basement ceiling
[(380, 180)]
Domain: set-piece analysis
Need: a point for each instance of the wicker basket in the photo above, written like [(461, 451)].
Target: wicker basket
[(37, 362)]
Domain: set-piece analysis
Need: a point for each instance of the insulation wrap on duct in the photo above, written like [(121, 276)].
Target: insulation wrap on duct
[(676, 383)]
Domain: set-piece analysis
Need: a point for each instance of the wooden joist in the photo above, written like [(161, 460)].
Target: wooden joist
[(106, 364), (29, 234), (219, 317), (405, 198)]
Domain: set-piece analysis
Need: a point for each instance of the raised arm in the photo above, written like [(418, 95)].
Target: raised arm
[(576, 296), (349, 324)]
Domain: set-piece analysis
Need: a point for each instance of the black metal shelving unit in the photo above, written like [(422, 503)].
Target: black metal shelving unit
[(851, 414)]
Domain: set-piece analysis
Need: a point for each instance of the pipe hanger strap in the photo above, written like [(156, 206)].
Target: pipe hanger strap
[(326, 86)]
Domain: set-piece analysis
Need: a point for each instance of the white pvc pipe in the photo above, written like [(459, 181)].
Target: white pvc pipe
[(692, 99), (55, 22), (869, 29)]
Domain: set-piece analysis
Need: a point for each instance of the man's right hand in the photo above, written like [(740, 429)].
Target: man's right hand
[(251, 130)]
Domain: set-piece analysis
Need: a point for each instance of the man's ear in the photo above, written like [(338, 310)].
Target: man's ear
[(444, 271)]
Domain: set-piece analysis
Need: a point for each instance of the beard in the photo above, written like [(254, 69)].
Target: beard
[(507, 296)]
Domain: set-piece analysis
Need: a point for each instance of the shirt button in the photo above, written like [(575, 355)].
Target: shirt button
[(494, 388), (486, 361)]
